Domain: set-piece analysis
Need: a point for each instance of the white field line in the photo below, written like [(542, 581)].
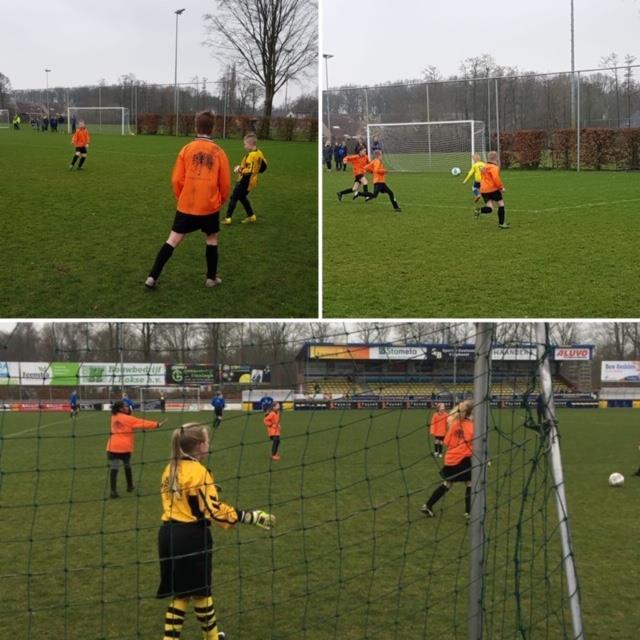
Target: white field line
[(44, 426)]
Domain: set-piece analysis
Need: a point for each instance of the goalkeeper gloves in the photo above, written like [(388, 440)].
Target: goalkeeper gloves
[(260, 519)]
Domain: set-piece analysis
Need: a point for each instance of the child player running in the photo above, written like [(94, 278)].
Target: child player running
[(379, 185), (358, 161), (476, 172), (491, 189), (247, 172), (80, 140), (190, 504)]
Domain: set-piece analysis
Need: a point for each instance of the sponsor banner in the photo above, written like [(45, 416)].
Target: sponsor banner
[(244, 374), (339, 352), (127, 373), (620, 371), (572, 353), (398, 353), (514, 353), (9, 373), (43, 406), (449, 353), (191, 374)]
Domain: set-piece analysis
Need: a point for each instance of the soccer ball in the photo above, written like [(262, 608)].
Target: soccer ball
[(455, 171), (616, 479)]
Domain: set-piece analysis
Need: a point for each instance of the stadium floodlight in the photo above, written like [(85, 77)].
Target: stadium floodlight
[(4, 118), (178, 13), (102, 119), (429, 146)]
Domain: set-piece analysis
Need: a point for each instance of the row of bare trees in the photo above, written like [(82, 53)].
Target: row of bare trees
[(277, 342)]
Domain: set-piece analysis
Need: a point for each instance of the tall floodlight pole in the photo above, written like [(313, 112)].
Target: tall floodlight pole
[(555, 461), (326, 57), (47, 72), (178, 13), (573, 72)]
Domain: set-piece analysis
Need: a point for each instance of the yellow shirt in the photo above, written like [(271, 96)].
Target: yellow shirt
[(197, 498), (475, 170), (250, 166)]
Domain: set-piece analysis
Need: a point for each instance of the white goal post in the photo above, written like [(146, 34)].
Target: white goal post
[(101, 119), (4, 118), (428, 146)]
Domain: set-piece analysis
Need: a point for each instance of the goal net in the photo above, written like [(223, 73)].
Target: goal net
[(428, 146), (101, 119), (352, 554), (4, 118)]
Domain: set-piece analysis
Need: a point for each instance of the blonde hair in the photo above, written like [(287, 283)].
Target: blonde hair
[(462, 410), (492, 156), (254, 138), (184, 442)]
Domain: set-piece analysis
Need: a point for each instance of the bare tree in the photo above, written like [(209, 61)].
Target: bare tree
[(5, 91), (271, 41), (612, 61)]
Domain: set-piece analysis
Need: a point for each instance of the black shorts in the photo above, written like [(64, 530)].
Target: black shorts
[(186, 553), (217, 411), (460, 472), (114, 457), (496, 196), (81, 150), (358, 178), (185, 223)]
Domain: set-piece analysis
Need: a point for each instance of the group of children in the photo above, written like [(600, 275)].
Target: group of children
[(201, 182), (190, 504), (487, 183)]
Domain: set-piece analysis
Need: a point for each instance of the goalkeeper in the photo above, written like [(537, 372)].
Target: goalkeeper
[(476, 172), (190, 504)]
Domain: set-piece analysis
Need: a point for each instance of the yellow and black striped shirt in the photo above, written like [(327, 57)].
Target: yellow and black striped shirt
[(250, 165), (197, 499)]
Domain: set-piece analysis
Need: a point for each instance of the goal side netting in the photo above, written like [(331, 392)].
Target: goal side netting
[(113, 120), (428, 146), (4, 118)]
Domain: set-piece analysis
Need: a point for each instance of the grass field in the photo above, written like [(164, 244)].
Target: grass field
[(80, 244), (352, 557), (567, 253)]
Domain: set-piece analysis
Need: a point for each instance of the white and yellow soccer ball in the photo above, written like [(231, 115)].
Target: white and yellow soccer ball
[(455, 171), (616, 479)]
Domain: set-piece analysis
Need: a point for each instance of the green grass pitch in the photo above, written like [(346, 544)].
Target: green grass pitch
[(567, 254), (81, 243), (351, 557)]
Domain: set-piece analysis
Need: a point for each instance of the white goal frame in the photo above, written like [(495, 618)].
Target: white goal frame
[(477, 129), (125, 128), (3, 124)]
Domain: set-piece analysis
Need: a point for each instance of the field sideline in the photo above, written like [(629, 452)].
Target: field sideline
[(80, 244), (567, 254), (347, 494)]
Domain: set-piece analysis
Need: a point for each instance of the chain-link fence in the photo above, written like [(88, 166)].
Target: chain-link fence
[(563, 106), (152, 107)]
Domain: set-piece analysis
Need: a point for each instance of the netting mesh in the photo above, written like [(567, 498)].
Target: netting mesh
[(352, 555), (428, 146), (102, 120)]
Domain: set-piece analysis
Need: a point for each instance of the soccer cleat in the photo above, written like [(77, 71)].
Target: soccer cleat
[(339, 194), (355, 195), (226, 220), (637, 473), (222, 635), (504, 226), (397, 209), (275, 456), (70, 167), (467, 516), (150, 283), (213, 282), (427, 511), (476, 213), (114, 494), (251, 219), (131, 489)]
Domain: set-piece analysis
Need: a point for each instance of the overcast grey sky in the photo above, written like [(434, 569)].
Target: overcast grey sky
[(82, 42), (386, 40)]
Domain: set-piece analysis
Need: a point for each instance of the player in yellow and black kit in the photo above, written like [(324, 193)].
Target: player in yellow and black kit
[(476, 171), (190, 503), (252, 164)]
